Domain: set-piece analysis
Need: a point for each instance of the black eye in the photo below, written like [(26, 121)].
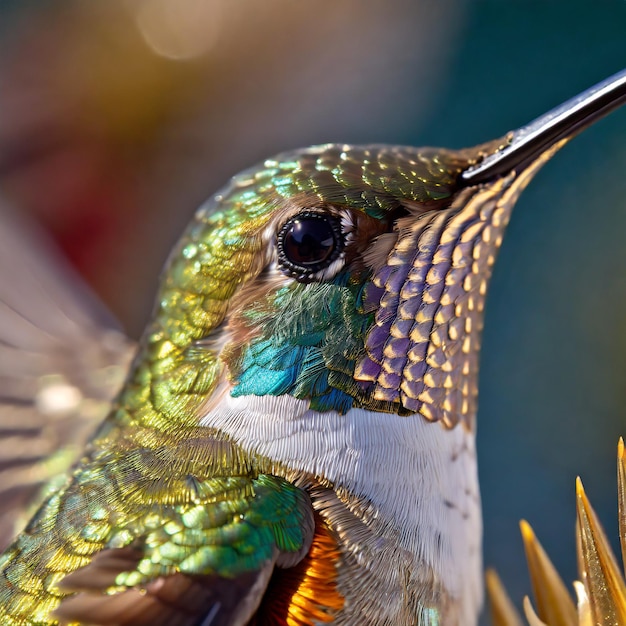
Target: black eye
[(309, 242)]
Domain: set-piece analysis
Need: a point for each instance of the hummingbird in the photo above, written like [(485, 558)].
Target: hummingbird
[(294, 440)]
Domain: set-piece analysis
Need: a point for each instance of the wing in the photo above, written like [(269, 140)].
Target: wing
[(186, 533), (61, 363), (301, 595), (203, 555)]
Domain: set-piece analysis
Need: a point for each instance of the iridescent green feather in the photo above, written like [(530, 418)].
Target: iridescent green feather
[(180, 512)]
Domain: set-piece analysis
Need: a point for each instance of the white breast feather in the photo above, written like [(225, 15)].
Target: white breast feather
[(420, 476)]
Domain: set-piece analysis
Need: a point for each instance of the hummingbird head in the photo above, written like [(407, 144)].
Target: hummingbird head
[(368, 282), (349, 277)]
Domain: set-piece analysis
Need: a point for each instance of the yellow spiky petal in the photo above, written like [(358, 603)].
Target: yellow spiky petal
[(503, 611), (601, 591), (554, 603), (531, 616), (598, 569), (621, 497)]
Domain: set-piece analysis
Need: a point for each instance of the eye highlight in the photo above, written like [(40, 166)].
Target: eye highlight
[(308, 243)]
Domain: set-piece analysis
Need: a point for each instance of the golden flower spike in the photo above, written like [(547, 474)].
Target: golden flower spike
[(554, 603), (597, 566), (503, 611), (621, 497), (601, 591)]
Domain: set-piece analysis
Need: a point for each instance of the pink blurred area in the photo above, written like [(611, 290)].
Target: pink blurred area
[(118, 118)]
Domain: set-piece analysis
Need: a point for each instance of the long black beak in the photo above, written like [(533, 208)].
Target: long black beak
[(529, 142)]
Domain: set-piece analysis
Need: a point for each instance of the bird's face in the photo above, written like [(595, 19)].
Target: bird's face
[(347, 277)]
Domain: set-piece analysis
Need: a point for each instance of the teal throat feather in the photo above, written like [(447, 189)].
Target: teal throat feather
[(309, 349)]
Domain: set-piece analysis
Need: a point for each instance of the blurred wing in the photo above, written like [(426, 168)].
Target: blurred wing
[(61, 363)]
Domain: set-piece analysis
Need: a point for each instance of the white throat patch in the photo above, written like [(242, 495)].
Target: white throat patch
[(419, 476)]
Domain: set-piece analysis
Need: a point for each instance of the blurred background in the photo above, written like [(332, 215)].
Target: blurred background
[(118, 118)]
